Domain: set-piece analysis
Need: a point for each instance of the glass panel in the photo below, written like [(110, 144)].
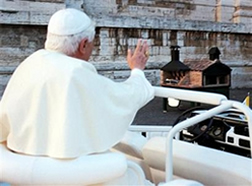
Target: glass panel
[(211, 80), (223, 80)]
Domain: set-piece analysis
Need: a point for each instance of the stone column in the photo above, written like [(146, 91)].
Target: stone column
[(243, 13), (77, 4), (225, 10)]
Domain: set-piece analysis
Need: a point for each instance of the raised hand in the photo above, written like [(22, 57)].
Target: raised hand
[(139, 57)]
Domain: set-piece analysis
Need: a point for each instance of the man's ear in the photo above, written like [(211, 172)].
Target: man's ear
[(83, 45)]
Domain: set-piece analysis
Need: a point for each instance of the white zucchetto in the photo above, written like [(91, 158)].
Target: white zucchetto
[(68, 21)]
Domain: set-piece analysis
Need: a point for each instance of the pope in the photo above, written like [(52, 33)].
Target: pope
[(57, 105)]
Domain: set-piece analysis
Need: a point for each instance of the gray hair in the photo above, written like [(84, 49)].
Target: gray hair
[(68, 44)]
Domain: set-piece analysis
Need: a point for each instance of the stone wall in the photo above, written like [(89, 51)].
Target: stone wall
[(195, 25)]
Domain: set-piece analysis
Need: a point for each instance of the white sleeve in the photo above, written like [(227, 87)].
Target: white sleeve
[(4, 130), (137, 71), (138, 78)]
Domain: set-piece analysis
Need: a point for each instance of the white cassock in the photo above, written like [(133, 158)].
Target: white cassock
[(58, 106)]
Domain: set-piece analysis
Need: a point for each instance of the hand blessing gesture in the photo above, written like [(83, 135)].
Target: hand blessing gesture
[(139, 57)]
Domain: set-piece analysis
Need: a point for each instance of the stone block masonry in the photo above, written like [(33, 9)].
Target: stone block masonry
[(194, 25)]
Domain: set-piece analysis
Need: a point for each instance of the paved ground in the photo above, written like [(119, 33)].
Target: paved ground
[(153, 113)]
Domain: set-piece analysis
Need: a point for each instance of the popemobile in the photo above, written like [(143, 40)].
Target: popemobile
[(204, 147)]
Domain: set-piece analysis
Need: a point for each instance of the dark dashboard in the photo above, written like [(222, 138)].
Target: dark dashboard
[(227, 131)]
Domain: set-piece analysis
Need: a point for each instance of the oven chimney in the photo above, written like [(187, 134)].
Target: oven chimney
[(175, 64), (214, 53), (175, 53)]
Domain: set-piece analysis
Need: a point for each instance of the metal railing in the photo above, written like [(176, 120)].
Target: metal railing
[(221, 104)]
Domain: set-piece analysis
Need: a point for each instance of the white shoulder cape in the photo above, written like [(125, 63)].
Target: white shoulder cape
[(60, 107)]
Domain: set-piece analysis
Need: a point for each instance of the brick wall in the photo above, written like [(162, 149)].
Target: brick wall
[(195, 25)]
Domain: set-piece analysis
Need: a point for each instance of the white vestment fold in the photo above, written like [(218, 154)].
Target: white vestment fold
[(59, 106)]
